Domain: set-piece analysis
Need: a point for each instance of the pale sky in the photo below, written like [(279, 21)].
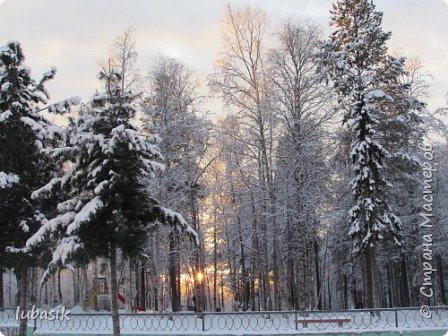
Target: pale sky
[(74, 35)]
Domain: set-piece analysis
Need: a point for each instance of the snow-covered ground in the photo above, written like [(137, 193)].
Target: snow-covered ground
[(391, 322)]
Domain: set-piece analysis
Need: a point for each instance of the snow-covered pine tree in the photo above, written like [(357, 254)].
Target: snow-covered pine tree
[(403, 117), (23, 165), (357, 62), (106, 202)]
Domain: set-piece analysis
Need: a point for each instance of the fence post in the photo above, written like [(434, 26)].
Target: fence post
[(203, 321), (296, 320), (396, 318)]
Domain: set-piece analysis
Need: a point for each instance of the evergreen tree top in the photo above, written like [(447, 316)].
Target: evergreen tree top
[(19, 93), (366, 79), (358, 43)]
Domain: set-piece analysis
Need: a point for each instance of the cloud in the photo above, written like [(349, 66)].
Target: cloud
[(74, 35)]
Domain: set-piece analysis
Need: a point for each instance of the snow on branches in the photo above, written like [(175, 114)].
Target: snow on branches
[(358, 65), (105, 198)]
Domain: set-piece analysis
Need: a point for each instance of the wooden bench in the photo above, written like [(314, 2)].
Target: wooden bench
[(339, 321)]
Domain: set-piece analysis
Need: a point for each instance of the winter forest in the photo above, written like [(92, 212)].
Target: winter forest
[(322, 186)]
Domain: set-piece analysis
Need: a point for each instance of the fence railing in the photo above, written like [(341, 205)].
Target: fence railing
[(237, 322)]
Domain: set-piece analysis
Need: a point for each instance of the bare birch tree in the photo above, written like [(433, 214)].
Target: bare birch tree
[(240, 80), (304, 106)]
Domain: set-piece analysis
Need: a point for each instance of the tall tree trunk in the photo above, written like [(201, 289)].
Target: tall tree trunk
[(85, 283), (46, 299), (23, 325), (266, 284), (390, 286), (222, 294), (215, 264), (244, 271), (137, 284), (318, 284), (265, 264), (75, 286), (53, 290), (398, 283), (417, 298), (142, 285), (157, 274), (290, 276), (201, 299), (131, 294), (95, 286), (10, 275), (277, 304), (369, 276), (207, 281), (292, 284), (256, 255), (302, 277), (441, 282), (174, 270), (353, 302), (346, 285), (329, 290), (198, 256), (405, 281), (2, 302), (114, 290), (59, 287)]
